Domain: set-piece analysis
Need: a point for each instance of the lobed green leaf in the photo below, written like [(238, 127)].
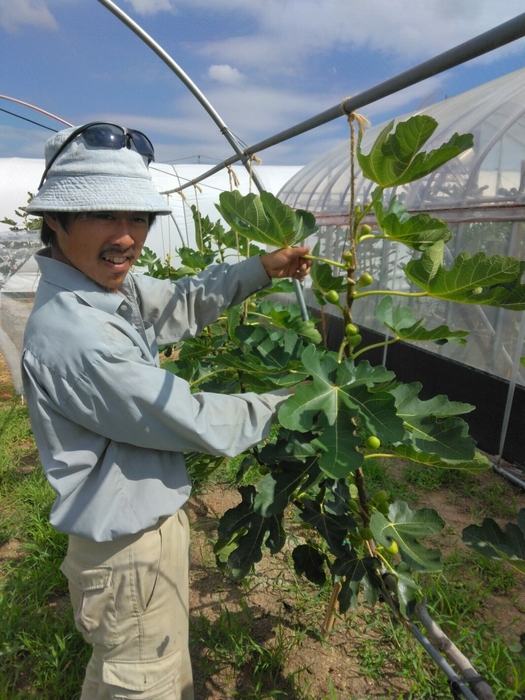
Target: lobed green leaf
[(311, 562), (265, 219), (432, 425), (401, 321), (242, 532), (406, 526), (477, 465), (419, 231), (394, 159), (493, 281), (506, 545)]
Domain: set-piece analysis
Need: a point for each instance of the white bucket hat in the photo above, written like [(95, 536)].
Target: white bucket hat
[(97, 167)]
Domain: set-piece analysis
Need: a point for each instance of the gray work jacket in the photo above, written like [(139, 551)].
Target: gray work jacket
[(111, 425)]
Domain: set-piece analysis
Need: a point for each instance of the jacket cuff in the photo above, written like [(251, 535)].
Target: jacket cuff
[(252, 273)]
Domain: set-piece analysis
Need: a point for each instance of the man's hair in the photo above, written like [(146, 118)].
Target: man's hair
[(48, 236)]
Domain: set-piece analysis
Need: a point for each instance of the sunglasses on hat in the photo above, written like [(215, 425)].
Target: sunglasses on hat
[(109, 136)]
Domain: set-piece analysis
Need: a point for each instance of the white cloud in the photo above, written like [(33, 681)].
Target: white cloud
[(285, 61), (16, 13), (288, 32), (255, 112), (150, 7), (225, 74)]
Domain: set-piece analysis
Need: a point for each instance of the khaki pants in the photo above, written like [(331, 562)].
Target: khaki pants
[(130, 601)]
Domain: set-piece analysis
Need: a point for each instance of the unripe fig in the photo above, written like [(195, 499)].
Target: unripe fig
[(365, 230), (347, 256), (381, 497), (366, 533), (373, 443), (393, 549), (351, 329), (365, 280), (383, 508), (332, 296), (354, 340), (353, 505)]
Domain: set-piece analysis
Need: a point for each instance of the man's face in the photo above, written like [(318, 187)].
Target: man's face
[(102, 245)]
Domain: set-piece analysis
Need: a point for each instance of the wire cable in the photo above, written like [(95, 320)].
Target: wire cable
[(18, 116)]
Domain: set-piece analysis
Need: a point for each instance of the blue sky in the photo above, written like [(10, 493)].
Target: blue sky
[(265, 65)]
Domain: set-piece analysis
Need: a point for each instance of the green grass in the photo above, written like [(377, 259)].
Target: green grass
[(254, 669), (455, 602), (41, 654), (498, 501)]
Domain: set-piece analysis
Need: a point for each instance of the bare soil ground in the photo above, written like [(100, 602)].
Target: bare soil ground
[(280, 611), (275, 603)]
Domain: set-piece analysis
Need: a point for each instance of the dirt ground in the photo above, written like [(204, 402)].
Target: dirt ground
[(271, 606), (278, 610)]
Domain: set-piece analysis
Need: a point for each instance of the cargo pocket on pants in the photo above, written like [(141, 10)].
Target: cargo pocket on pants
[(157, 679), (93, 602)]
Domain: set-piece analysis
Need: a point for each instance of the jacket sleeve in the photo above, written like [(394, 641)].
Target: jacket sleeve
[(181, 309), (118, 396)]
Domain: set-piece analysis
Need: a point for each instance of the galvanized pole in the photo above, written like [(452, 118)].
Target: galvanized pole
[(173, 66)]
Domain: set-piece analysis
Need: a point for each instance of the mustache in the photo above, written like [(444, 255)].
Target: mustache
[(115, 250)]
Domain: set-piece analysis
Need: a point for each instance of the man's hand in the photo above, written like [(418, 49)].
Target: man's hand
[(287, 262)]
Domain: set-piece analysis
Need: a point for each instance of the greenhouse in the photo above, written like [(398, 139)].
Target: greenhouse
[(481, 196)]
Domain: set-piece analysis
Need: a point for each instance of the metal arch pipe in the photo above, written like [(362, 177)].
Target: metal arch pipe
[(183, 77), (36, 109), (484, 43), (241, 155)]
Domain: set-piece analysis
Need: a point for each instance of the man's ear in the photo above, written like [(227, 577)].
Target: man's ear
[(51, 222)]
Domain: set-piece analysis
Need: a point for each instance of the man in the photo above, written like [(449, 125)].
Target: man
[(111, 426)]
